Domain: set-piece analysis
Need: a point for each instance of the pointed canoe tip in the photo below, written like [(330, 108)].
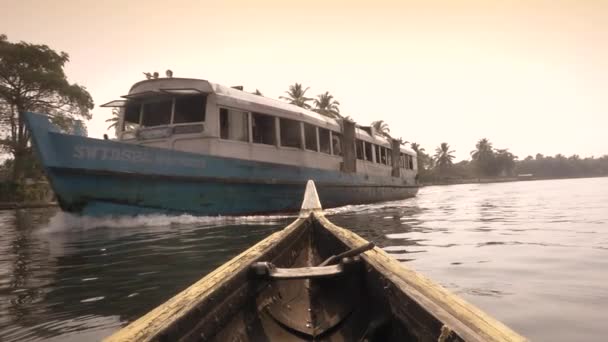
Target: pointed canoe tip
[(311, 199)]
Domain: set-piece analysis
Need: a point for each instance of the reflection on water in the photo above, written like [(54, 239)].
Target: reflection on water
[(533, 254)]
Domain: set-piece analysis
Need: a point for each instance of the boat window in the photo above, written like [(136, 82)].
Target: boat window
[(131, 117), (324, 140), (410, 162), (290, 133), (359, 149), (263, 129), (157, 113), (190, 109), (368, 152), (310, 137), (234, 125), (389, 154), (336, 141), (382, 155), (377, 150)]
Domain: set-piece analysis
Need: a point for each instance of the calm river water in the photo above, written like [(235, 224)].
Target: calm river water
[(533, 254)]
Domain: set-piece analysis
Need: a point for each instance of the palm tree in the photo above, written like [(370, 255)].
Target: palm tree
[(483, 157), (382, 128), (296, 96), (483, 148), (421, 157), (505, 162), (325, 104), (443, 157), (114, 120), (416, 147)]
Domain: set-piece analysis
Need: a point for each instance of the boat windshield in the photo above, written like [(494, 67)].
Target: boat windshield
[(163, 111)]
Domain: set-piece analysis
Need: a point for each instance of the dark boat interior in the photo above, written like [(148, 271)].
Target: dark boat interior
[(287, 296)]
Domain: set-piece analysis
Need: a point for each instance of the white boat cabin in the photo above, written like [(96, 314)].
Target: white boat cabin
[(202, 117)]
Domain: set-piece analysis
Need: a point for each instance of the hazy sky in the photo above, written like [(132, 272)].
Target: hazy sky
[(531, 76)]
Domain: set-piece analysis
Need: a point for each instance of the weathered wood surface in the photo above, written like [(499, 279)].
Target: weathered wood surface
[(152, 324), (466, 320)]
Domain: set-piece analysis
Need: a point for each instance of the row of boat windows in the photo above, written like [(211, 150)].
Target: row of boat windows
[(381, 155), (165, 111), (234, 125)]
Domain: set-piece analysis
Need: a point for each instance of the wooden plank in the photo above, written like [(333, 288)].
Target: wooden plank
[(466, 320), (152, 324)]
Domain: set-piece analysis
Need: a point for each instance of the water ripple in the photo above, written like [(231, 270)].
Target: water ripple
[(517, 250)]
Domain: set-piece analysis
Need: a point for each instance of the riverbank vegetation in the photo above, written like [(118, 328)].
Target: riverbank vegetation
[(32, 79), (489, 164)]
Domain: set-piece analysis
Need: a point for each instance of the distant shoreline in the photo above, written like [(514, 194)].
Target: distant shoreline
[(497, 180)]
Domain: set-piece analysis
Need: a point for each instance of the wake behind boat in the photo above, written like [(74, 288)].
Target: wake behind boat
[(315, 281), (191, 146)]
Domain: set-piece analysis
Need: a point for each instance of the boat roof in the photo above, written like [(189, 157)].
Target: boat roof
[(175, 86)]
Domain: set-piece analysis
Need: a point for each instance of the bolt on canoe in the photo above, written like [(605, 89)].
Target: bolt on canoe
[(315, 281)]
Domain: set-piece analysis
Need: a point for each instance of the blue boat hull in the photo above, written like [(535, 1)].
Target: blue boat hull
[(100, 177)]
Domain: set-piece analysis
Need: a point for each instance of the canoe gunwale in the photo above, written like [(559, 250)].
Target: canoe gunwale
[(455, 314)]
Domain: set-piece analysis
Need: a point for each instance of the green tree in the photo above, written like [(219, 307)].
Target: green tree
[(325, 104), (505, 162), (443, 157), (382, 128), (32, 79), (296, 96), (114, 120), (423, 160), (483, 158)]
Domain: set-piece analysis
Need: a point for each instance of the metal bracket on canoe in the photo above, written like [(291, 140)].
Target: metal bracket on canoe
[(325, 269), (267, 269)]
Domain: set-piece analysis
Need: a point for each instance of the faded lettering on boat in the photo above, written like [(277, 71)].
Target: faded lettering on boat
[(129, 155)]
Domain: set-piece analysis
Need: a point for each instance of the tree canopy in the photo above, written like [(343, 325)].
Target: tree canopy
[(114, 120), (325, 104), (296, 96), (32, 79), (483, 158), (382, 128), (423, 160), (443, 157)]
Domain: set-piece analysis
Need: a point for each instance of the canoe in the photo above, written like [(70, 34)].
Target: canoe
[(315, 281)]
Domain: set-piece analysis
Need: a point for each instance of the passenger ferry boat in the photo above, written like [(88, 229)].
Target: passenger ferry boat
[(192, 146)]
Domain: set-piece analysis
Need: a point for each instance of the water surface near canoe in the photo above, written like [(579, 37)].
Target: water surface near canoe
[(533, 254)]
